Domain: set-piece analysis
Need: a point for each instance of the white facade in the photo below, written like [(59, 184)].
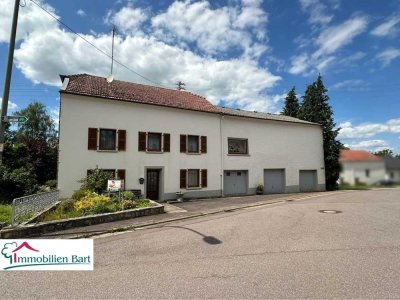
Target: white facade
[(271, 144), (369, 172)]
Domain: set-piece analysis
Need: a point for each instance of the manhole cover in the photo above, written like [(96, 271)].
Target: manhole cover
[(330, 211)]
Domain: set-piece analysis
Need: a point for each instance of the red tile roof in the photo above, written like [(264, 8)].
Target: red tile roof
[(84, 84), (357, 155)]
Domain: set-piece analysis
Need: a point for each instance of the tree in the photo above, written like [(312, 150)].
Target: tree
[(315, 108), (292, 106), (384, 152)]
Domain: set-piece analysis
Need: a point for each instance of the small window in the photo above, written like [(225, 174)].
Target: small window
[(237, 146), (107, 139), (193, 178), (193, 143), (153, 141), (366, 173)]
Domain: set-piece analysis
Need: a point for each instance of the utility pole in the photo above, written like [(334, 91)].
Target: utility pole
[(114, 30), (7, 80)]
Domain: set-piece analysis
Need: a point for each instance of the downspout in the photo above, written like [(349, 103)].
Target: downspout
[(222, 154)]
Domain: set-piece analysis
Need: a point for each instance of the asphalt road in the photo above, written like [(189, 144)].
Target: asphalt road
[(282, 251)]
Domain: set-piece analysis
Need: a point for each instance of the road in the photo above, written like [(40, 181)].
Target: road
[(283, 251)]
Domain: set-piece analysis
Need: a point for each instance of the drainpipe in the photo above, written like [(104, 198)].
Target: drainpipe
[(222, 154)]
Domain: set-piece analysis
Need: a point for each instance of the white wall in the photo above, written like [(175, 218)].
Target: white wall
[(78, 113), (275, 145), (272, 144), (352, 170)]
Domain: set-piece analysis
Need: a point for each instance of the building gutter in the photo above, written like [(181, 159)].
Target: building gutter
[(221, 118)]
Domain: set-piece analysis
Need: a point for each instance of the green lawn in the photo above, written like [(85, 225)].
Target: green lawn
[(5, 214)]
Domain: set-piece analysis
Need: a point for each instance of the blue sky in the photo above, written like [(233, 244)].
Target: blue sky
[(245, 54)]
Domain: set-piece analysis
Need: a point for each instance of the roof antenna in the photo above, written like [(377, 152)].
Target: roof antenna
[(111, 77), (180, 86)]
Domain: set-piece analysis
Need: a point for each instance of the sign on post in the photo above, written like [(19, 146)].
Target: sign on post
[(15, 119), (114, 185)]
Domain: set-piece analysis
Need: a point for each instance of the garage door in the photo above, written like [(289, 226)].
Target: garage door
[(308, 180), (235, 182), (274, 181)]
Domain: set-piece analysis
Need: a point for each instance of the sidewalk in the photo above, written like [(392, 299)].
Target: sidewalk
[(185, 210)]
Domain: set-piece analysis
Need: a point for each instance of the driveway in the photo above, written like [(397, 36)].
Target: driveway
[(290, 250)]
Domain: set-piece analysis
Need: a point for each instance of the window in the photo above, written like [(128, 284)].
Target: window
[(153, 141), (237, 146), (193, 178), (366, 173), (193, 144), (108, 139)]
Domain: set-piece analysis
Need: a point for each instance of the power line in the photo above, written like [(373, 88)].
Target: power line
[(94, 46)]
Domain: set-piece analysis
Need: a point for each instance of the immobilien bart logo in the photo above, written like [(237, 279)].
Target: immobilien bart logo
[(46, 255)]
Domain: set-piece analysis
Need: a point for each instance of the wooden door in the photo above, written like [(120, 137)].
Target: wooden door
[(153, 184)]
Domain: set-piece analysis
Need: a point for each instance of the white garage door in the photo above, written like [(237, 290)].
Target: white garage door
[(308, 180), (235, 182), (274, 181)]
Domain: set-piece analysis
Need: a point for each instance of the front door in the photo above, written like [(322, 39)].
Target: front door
[(153, 184)]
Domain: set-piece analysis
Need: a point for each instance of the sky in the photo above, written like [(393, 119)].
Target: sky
[(238, 53)]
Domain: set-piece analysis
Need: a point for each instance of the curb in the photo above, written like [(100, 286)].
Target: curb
[(202, 214)]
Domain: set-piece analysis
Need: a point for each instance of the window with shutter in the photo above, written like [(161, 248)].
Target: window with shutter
[(183, 179), (193, 178), (154, 141), (121, 140), (193, 144), (203, 144), (142, 141), (167, 138), (92, 139), (121, 175), (183, 143), (107, 139), (203, 178)]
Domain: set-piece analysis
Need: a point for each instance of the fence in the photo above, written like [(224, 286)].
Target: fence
[(26, 207)]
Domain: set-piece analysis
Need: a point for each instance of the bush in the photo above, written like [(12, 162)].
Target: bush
[(143, 203), (66, 206), (94, 202), (52, 184), (96, 181), (5, 214), (128, 195), (79, 194)]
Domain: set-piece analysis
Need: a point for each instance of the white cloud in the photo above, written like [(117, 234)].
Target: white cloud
[(350, 85), (11, 105), (80, 12), (238, 81), (386, 28), (365, 130), (300, 64), (128, 20), (370, 145), (214, 30), (317, 10), (30, 19), (335, 37), (388, 56)]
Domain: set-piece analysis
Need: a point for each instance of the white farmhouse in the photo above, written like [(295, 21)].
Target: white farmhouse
[(164, 141), (358, 166)]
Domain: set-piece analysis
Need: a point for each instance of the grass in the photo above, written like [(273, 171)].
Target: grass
[(5, 213)]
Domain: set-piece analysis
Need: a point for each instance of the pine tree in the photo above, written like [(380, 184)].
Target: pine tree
[(315, 108), (292, 106)]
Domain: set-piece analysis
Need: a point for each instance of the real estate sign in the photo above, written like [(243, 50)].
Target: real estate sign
[(114, 185)]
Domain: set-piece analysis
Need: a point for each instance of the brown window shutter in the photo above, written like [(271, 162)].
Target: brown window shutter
[(92, 139), (183, 143), (142, 141), (183, 179), (204, 178), (121, 175), (203, 144), (121, 140), (167, 142)]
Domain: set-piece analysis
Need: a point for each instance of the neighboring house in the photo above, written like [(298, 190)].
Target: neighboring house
[(392, 166), (164, 141), (358, 166)]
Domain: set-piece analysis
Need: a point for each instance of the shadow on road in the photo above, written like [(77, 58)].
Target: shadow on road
[(206, 238)]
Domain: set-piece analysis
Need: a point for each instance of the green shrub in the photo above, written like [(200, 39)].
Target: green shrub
[(101, 207), (52, 184), (143, 203), (96, 181), (5, 214), (66, 206), (128, 195), (86, 204), (79, 194)]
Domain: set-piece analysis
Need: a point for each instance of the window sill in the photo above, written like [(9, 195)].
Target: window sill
[(237, 154), (194, 188), (155, 152), (109, 151), (194, 153)]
